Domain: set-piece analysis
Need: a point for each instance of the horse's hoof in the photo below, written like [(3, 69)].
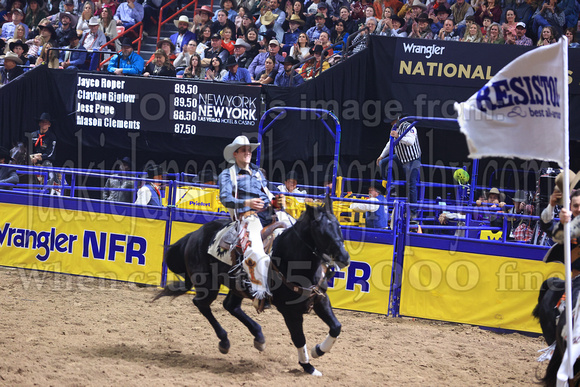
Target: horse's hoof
[(316, 351), (309, 368), (224, 347), (260, 346)]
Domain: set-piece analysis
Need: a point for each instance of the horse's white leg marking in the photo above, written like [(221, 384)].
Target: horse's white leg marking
[(303, 359), (324, 347), (327, 344), (303, 355)]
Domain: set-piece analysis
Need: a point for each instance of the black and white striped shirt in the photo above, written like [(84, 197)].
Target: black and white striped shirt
[(408, 148)]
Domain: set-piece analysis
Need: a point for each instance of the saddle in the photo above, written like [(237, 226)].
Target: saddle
[(226, 246)]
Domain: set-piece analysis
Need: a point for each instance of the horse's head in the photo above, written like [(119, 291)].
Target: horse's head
[(327, 234)]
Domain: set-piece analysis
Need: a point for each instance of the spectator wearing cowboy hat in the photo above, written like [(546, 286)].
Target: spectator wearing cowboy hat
[(201, 19), (393, 27), (375, 214), (127, 62), (68, 22), (222, 22), (289, 77), (441, 14), (230, 7), (43, 141), (20, 49), (314, 32), (236, 74), (92, 40), (8, 28), (46, 32), (269, 22), (291, 36), (422, 28), (73, 59), (167, 46), (7, 175), (312, 67), (183, 34), (259, 63), (149, 194), (240, 47), (10, 70)]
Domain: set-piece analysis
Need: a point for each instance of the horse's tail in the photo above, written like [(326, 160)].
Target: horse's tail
[(551, 376), (175, 260)]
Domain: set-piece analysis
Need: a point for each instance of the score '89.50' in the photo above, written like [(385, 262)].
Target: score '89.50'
[(183, 88), (184, 129)]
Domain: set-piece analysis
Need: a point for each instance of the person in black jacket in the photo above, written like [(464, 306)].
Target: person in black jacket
[(160, 66), (10, 70), (43, 142)]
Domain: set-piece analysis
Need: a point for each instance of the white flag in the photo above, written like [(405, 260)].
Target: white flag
[(521, 112)]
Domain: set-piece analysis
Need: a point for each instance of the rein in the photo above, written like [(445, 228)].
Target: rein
[(310, 291)]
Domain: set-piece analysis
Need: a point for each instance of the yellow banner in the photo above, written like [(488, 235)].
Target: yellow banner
[(364, 284), (474, 289), (82, 243)]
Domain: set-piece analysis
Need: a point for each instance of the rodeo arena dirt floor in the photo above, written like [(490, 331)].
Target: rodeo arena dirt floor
[(60, 330)]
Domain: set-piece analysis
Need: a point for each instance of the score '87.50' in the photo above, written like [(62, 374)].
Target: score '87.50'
[(184, 129)]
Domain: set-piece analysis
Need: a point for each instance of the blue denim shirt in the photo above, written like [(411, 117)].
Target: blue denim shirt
[(249, 187)]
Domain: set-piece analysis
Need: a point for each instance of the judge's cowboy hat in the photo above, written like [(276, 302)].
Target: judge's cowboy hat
[(238, 142), (183, 19), (13, 57)]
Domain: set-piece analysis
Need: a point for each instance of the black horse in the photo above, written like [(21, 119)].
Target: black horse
[(552, 323), (300, 257)]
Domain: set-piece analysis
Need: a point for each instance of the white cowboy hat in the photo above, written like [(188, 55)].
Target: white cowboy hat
[(183, 19), (94, 21), (238, 142)]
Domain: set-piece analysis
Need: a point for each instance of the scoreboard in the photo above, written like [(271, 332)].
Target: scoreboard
[(169, 105)]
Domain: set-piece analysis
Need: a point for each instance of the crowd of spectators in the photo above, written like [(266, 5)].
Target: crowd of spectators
[(257, 31)]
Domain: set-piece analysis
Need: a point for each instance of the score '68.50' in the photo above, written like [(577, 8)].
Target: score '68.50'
[(185, 129)]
